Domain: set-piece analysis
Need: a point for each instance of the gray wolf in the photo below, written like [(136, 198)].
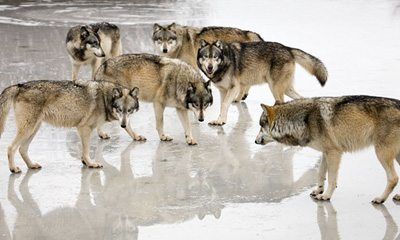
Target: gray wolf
[(92, 44), (81, 104), (235, 66), (182, 42), (163, 81), (335, 125)]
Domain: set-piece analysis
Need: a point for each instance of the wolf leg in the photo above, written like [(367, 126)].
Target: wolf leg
[(386, 158), (131, 133), (184, 117), (321, 178), (23, 150), (75, 71), (245, 93), (159, 112), (290, 92), (84, 134), (95, 65), (278, 93), (225, 103), (101, 133), (241, 94), (26, 121), (397, 196), (332, 159)]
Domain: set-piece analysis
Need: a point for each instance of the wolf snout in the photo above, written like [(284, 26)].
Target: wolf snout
[(165, 50), (209, 69), (201, 119), (123, 125)]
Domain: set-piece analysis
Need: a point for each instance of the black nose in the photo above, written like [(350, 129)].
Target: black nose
[(210, 67), (165, 50), (201, 119), (123, 125)]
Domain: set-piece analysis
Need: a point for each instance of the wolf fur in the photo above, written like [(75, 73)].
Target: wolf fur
[(236, 66), (92, 44), (335, 125), (163, 81), (81, 104)]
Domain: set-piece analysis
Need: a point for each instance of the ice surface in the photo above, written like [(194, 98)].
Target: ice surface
[(226, 187)]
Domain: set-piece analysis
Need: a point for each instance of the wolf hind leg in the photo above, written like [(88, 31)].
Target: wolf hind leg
[(23, 150), (397, 196), (386, 158), (26, 127), (290, 92)]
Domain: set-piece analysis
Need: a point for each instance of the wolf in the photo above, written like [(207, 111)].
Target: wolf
[(92, 44), (81, 104), (163, 81), (335, 125), (232, 67), (182, 42)]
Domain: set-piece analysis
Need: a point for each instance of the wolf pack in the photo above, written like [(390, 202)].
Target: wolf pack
[(190, 61)]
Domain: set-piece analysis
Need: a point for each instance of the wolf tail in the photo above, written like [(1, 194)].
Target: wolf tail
[(312, 64), (6, 100)]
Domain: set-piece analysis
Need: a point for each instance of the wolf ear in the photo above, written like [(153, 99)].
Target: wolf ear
[(172, 26), (117, 92), (134, 92), (84, 31), (219, 44), (203, 43), (156, 27), (270, 111), (191, 87)]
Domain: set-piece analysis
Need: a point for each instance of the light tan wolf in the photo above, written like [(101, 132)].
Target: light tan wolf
[(335, 125), (183, 42), (235, 66), (81, 104), (163, 81), (92, 44)]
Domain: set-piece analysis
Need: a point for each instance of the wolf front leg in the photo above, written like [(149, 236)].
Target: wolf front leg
[(159, 113), (84, 134), (184, 117), (227, 98), (75, 71), (332, 159), (321, 178), (95, 65), (131, 133)]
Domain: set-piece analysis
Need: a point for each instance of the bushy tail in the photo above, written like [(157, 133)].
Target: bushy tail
[(6, 100), (312, 64)]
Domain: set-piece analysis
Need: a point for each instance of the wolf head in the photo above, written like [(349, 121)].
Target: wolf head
[(124, 103), (165, 38), (199, 98), (210, 57), (91, 41), (266, 121)]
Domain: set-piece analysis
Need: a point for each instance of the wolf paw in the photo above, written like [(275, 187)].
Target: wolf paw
[(321, 197), (378, 200), (35, 166), (216, 123), (95, 165), (191, 141), (166, 138), (103, 135), (140, 138), (396, 197), (315, 192), (245, 96), (15, 170)]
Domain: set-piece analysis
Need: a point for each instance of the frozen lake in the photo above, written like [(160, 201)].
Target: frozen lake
[(227, 187)]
